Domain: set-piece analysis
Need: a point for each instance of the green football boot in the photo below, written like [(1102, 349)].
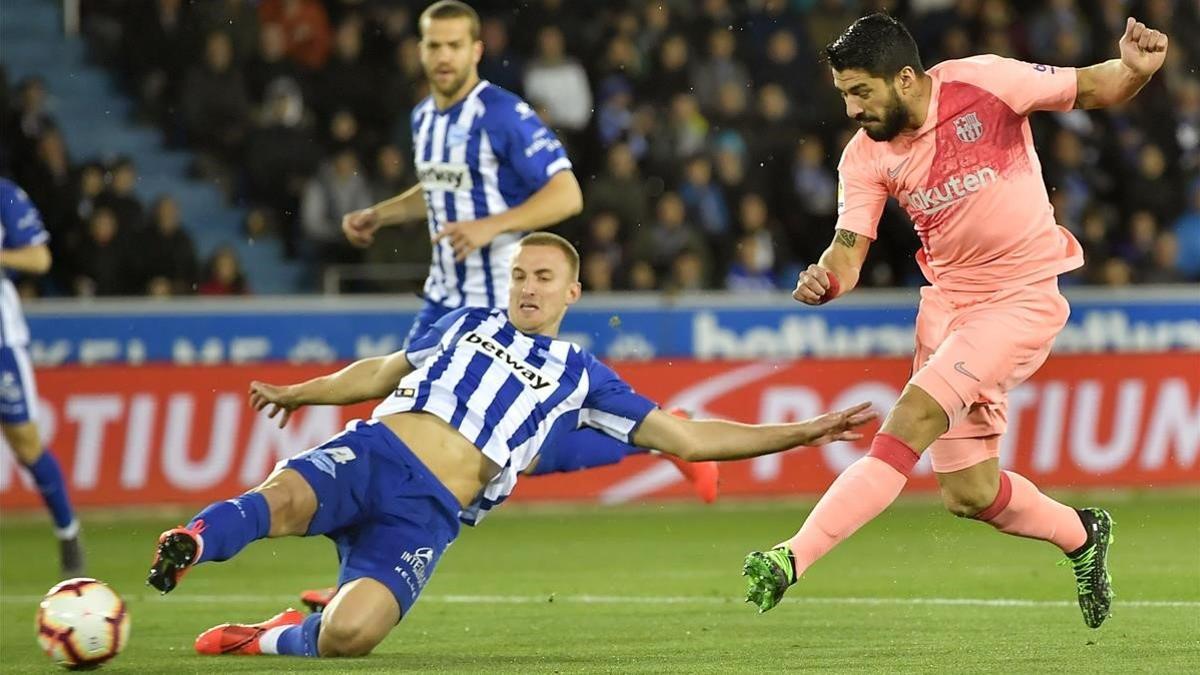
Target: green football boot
[(770, 574), (1092, 579)]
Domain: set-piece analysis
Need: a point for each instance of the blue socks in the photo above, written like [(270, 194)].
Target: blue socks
[(298, 640), (49, 479), (232, 524), (582, 449)]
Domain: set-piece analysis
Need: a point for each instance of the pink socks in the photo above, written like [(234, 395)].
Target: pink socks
[(859, 494), (1020, 509)]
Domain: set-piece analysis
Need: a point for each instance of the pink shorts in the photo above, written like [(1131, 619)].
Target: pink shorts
[(972, 349)]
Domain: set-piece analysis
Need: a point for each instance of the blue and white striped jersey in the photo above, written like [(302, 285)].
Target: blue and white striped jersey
[(479, 157), (20, 226), (509, 393)]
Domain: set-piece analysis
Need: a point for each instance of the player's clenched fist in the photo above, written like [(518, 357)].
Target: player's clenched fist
[(812, 285), (359, 227)]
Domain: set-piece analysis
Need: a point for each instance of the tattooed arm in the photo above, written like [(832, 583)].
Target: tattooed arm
[(836, 273)]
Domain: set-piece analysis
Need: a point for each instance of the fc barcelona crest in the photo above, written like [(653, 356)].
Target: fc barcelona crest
[(969, 128)]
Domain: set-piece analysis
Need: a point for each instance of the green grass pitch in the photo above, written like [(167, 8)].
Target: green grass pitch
[(657, 588)]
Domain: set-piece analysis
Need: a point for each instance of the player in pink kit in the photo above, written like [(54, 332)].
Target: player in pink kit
[(953, 145)]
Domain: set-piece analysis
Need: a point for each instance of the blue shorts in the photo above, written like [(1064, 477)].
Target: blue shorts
[(430, 313), (389, 516), (18, 389)]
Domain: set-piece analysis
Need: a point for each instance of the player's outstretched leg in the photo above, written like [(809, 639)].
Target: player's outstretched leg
[(283, 505), (859, 494), (246, 639), (360, 616)]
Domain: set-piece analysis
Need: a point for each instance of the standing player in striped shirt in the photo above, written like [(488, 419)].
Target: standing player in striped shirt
[(23, 249), (953, 144), (470, 405), (489, 170)]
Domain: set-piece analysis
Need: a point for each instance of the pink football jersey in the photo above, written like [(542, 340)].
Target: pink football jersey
[(969, 177)]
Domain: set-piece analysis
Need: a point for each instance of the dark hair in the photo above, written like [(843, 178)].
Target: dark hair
[(878, 44), (554, 241), (451, 9)]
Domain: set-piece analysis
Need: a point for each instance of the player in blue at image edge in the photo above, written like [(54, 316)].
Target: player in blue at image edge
[(24, 250)]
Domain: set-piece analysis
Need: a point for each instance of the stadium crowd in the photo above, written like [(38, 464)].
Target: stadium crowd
[(705, 134)]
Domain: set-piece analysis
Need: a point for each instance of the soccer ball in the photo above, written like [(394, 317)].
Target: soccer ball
[(82, 623)]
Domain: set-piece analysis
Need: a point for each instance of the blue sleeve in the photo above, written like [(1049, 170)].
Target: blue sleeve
[(611, 405), (19, 218), (425, 345), (531, 148)]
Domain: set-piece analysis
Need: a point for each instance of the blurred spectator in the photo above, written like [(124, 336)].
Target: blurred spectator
[(239, 18), (748, 273), (689, 273), (500, 65), (167, 252), (669, 237), (305, 27), (604, 239), (102, 263), (719, 69), (558, 82), (270, 63), (1163, 265), (50, 183), (815, 184), (338, 188), (755, 222), (120, 198), (703, 200), (163, 29), (27, 122), (619, 189), (391, 176), (223, 274), (215, 106), (280, 156), (597, 273), (1148, 188), (642, 277), (346, 82), (669, 76)]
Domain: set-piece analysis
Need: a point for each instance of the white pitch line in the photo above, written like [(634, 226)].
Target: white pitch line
[(641, 600)]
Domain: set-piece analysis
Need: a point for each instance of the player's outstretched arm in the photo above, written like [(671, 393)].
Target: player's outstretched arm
[(719, 440), (360, 226), (27, 259), (559, 199), (836, 273), (1143, 51), (363, 380)]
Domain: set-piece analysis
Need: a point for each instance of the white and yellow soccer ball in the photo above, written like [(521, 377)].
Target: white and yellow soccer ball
[(82, 623)]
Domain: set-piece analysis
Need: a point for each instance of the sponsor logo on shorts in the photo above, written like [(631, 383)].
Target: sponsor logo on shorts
[(448, 176), (405, 392), (327, 459), (930, 200), (961, 367), (418, 562), (523, 370)]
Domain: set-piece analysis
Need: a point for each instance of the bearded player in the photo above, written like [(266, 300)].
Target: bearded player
[(953, 145)]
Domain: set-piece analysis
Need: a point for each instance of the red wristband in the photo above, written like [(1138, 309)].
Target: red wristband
[(832, 291)]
